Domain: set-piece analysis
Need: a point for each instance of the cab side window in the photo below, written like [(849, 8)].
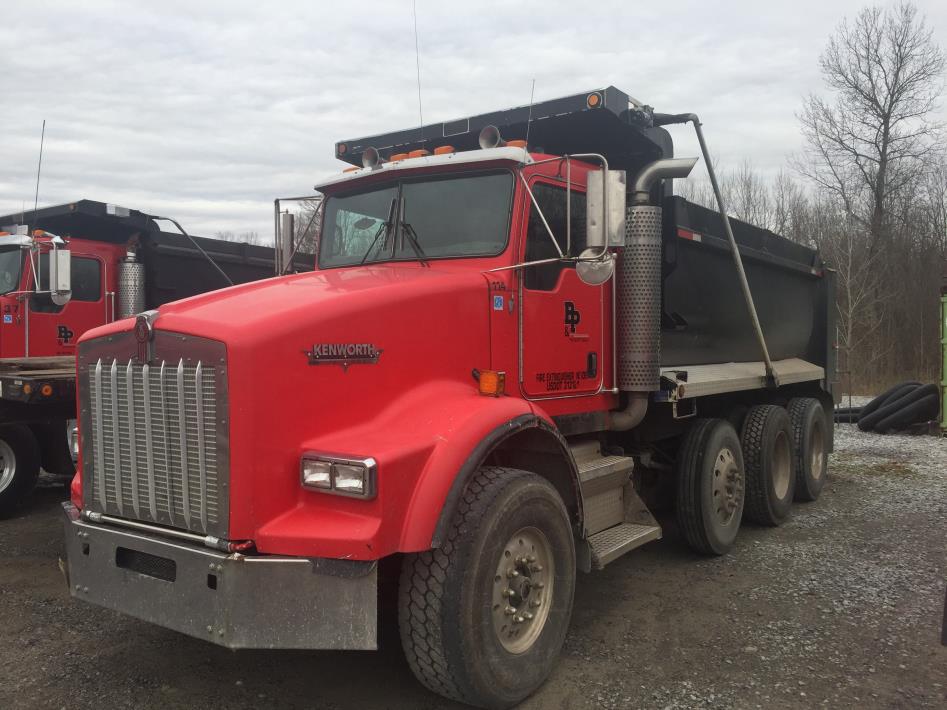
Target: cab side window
[(552, 201), (86, 283)]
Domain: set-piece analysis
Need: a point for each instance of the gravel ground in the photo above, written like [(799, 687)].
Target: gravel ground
[(841, 607)]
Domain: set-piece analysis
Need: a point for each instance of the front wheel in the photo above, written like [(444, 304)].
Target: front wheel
[(484, 616), (19, 466)]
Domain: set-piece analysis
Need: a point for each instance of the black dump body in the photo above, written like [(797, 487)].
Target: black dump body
[(704, 316), (174, 268)]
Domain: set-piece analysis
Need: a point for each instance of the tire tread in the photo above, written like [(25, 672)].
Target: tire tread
[(688, 505), (421, 589)]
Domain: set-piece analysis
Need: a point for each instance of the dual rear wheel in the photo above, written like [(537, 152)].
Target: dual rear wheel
[(778, 456)]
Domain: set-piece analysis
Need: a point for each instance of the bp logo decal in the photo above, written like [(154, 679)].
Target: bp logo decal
[(64, 335), (572, 317)]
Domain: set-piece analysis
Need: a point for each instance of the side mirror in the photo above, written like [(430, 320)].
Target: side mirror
[(60, 276), (605, 209)]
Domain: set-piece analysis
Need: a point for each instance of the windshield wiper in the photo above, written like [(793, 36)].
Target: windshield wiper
[(412, 236), (384, 228), (413, 240)]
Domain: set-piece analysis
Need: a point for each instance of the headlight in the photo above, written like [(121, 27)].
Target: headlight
[(72, 437), (317, 474), (340, 475)]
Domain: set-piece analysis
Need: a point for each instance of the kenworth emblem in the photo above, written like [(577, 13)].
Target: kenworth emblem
[(343, 354), (145, 334)]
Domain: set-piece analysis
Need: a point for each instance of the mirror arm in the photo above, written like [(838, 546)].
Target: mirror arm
[(542, 217)]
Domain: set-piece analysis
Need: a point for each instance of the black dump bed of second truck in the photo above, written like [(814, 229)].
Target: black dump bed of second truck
[(704, 316), (174, 267)]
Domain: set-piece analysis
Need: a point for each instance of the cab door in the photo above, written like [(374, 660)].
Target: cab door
[(561, 328), (54, 329)]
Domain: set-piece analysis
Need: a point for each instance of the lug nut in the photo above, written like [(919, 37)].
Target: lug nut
[(528, 615), (540, 585), (531, 558), (535, 603), (519, 619), (509, 611), (537, 568), (514, 573)]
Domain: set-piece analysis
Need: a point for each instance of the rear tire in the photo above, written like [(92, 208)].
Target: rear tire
[(459, 634), (809, 440), (19, 467), (710, 486), (767, 452)]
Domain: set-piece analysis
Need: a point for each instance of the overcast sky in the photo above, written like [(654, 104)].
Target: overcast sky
[(208, 110)]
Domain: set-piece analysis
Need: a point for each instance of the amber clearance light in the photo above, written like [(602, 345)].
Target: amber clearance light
[(491, 382)]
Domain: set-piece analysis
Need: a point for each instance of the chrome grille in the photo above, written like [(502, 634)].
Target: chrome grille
[(153, 444)]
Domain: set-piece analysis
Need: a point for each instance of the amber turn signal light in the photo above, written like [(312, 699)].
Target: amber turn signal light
[(491, 383)]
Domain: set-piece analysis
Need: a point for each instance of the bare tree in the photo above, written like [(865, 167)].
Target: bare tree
[(308, 226), (876, 137), (872, 151), (747, 196)]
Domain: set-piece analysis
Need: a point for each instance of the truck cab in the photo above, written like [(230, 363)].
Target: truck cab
[(515, 345), (36, 325), (67, 269)]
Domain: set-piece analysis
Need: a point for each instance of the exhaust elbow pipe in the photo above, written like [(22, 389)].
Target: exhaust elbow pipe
[(631, 415), (667, 168)]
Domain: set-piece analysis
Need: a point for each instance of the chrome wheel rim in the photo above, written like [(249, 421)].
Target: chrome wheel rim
[(782, 465), (7, 465), (816, 452), (727, 486), (523, 589)]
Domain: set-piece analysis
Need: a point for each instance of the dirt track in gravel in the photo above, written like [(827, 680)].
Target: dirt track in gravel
[(841, 607)]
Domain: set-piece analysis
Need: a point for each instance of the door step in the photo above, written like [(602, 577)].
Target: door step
[(602, 480), (607, 545)]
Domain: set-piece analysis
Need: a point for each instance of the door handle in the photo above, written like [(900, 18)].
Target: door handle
[(591, 365)]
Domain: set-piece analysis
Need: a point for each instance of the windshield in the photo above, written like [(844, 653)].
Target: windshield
[(10, 261), (451, 216)]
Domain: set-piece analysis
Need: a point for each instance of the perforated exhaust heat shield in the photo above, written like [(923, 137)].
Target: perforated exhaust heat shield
[(639, 301)]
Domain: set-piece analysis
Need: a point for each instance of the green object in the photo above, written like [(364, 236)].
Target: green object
[(943, 365)]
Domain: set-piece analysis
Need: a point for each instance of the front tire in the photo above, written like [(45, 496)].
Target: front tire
[(19, 467), (483, 617)]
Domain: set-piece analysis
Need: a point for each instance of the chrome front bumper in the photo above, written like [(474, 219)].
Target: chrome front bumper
[(230, 600)]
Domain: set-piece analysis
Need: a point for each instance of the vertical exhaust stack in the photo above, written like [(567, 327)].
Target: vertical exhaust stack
[(131, 285), (638, 298)]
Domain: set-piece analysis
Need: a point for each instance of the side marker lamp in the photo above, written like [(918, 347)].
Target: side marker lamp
[(490, 383)]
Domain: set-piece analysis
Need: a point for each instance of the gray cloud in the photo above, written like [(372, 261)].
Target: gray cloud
[(208, 110)]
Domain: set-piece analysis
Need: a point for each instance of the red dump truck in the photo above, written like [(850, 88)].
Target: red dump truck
[(65, 270), (518, 348)]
